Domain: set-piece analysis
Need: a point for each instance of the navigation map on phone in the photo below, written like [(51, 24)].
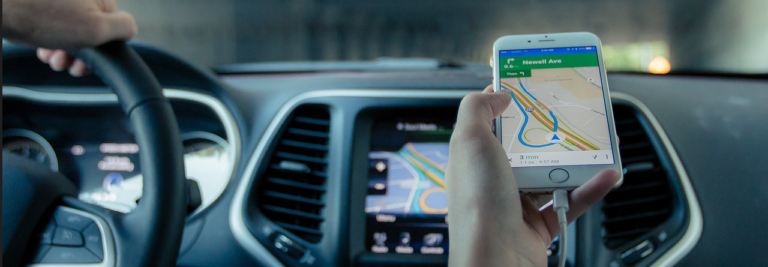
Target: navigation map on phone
[(557, 116)]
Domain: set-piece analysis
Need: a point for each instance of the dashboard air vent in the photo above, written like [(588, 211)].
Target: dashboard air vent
[(292, 189), (644, 201)]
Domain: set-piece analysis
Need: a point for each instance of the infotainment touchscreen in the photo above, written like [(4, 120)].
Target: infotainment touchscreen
[(406, 206)]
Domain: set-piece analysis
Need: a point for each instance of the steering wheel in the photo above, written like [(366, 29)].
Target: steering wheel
[(149, 235)]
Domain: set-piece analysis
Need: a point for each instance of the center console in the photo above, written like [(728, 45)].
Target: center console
[(384, 200), (400, 158)]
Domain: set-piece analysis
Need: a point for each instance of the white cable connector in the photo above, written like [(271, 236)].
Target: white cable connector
[(560, 206)]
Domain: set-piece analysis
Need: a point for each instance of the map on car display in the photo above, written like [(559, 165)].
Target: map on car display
[(406, 205), (558, 115), (410, 180)]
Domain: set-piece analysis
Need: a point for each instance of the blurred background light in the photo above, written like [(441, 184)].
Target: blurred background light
[(659, 65)]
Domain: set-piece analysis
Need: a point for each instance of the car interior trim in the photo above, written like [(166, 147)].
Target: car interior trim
[(696, 220), (107, 244), (224, 115), (40, 140), (245, 238), (237, 212)]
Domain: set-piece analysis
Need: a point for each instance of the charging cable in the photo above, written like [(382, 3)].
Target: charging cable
[(560, 205)]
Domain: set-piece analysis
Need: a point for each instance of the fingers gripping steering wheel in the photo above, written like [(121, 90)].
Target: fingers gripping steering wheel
[(150, 235)]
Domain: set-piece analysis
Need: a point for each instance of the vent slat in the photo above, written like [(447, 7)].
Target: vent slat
[(632, 232), (304, 145), (312, 121), (307, 133), (636, 216), (639, 167), (644, 201), (319, 174), (295, 184), (634, 202), (300, 157), (292, 212), (294, 198), (292, 189), (299, 228), (625, 188)]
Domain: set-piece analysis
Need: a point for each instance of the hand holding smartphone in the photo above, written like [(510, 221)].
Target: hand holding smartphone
[(559, 129)]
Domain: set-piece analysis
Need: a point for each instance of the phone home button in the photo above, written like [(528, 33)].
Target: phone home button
[(558, 175)]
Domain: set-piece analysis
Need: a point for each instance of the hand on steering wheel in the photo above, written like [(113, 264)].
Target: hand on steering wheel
[(150, 235), (54, 25)]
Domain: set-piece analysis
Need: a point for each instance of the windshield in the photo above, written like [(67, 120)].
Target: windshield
[(638, 36)]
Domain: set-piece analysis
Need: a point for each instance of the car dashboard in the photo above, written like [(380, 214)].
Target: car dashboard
[(345, 167)]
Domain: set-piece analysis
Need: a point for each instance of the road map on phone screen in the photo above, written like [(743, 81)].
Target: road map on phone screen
[(557, 116)]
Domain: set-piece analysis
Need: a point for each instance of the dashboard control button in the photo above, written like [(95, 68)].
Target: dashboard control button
[(405, 239), (379, 238), (47, 235), (285, 244), (432, 244), (92, 237), (637, 253), (433, 240), (71, 220), (69, 255), (558, 175), (65, 236), (662, 236)]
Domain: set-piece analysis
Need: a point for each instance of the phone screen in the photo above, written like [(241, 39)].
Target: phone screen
[(558, 114)]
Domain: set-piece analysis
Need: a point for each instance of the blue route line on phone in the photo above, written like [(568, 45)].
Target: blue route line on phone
[(526, 91), (525, 122), (535, 99)]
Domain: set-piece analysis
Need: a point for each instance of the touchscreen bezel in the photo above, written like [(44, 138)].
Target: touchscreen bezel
[(359, 253), (425, 131)]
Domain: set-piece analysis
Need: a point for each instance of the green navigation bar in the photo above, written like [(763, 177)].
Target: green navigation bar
[(515, 73), (512, 67)]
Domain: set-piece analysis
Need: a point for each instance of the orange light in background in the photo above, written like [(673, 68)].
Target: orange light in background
[(659, 65)]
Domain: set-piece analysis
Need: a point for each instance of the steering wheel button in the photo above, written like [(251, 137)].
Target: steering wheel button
[(92, 237), (47, 235), (69, 255), (65, 236), (71, 220)]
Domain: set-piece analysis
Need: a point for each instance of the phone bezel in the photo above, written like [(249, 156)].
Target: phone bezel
[(536, 179)]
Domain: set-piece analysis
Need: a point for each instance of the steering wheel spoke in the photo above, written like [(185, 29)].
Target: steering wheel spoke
[(75, 233), (81, 233)]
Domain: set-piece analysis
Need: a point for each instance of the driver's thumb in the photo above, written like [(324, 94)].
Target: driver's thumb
[(479, 109), (120, 25)]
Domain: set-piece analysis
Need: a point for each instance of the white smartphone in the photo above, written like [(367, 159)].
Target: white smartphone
[(558, 131)]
